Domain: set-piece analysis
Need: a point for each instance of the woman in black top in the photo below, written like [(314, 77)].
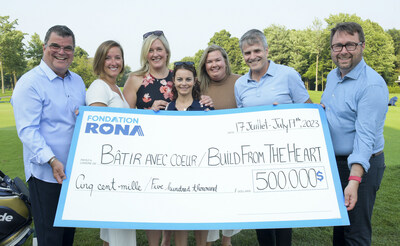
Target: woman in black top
[(185, 89)]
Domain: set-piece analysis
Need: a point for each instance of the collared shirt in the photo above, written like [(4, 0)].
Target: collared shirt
[(279, 84), (356, 107), (44, 110), (195, 106)]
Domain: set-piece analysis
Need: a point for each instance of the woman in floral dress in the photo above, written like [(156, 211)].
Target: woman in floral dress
[(150, 87)]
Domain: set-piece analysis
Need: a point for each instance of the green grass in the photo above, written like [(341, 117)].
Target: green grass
[(6, 96), (385, 221)]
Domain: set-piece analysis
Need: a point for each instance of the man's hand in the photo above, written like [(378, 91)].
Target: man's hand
[(351, 190), (58, 171), (350, 194)]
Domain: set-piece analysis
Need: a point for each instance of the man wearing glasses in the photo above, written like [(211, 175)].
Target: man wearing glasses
[(356, 102), (45, 102)]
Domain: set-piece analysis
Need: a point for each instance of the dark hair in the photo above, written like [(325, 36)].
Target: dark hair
[(196, 86), (62, 31), (350, 28), (101, 54)]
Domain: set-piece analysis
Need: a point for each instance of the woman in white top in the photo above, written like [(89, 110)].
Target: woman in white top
[(108, 63)]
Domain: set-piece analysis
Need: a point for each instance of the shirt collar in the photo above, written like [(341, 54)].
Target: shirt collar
[(355, 72), (270, 72), (50, 73)]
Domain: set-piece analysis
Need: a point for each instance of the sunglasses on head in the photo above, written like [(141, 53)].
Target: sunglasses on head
[(183, 63), (157, 33)]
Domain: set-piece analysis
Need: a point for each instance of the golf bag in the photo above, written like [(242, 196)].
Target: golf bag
[(15, 211)]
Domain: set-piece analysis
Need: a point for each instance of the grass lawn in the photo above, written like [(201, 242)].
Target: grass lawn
[(385, 222)]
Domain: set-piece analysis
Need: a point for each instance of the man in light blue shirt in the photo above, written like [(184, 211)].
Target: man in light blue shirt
[(355, 101), (45, 102), (267, 83)]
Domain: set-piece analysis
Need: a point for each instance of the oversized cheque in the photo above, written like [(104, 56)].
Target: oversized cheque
[(261, 167)]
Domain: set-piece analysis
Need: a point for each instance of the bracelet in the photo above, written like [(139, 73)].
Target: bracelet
[(52, 159), (356, 178)]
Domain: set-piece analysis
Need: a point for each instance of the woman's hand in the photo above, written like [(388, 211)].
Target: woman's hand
[(206, 101), (158, 105)]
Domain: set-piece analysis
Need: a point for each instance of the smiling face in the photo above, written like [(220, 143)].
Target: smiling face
[(215, 65), (346, 60), (184, 82), (256, 57), (157, 56), (59, 61), (113, 63)]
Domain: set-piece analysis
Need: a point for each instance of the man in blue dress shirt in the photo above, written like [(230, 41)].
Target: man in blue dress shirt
[(45, 102), (267, 83), (355, 101)]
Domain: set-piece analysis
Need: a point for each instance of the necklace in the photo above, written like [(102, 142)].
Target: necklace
[(183, 106)]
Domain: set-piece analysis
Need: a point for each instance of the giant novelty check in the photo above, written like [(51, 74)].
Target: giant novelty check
[(261, 167)]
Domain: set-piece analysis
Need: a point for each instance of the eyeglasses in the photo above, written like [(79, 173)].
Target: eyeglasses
[(157, 33), (57, 48), (349, 46), (183, 63)]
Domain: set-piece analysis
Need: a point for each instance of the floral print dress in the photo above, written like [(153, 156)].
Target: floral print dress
[(154, 89)]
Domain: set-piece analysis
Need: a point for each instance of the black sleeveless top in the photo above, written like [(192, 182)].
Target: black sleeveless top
[(154, 89)]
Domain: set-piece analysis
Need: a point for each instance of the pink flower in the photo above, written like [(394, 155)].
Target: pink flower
[(163, 82), (168, 93), (146, 98), (164, 89), (147, 79)]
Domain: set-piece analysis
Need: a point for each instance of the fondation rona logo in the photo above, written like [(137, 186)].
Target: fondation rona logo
[(107, 125)]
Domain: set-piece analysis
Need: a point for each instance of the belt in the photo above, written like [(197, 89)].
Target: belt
[(377, 153), (344, 157)]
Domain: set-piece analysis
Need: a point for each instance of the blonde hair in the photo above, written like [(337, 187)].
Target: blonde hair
[(147, 42), (204, 78)]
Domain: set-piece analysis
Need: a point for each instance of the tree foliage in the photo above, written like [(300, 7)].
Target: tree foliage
[(307, 51), (395, 34), (12, 52), (34, 51), (121, 79), (278, 38), (82, 65)]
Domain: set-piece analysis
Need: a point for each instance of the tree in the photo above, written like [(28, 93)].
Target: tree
[(197, 57), (12, 58), (121, 79), (299, 51), (395, 34), (278, 44), (316, 46), (34, 51), (79, 52), (82, 65)]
